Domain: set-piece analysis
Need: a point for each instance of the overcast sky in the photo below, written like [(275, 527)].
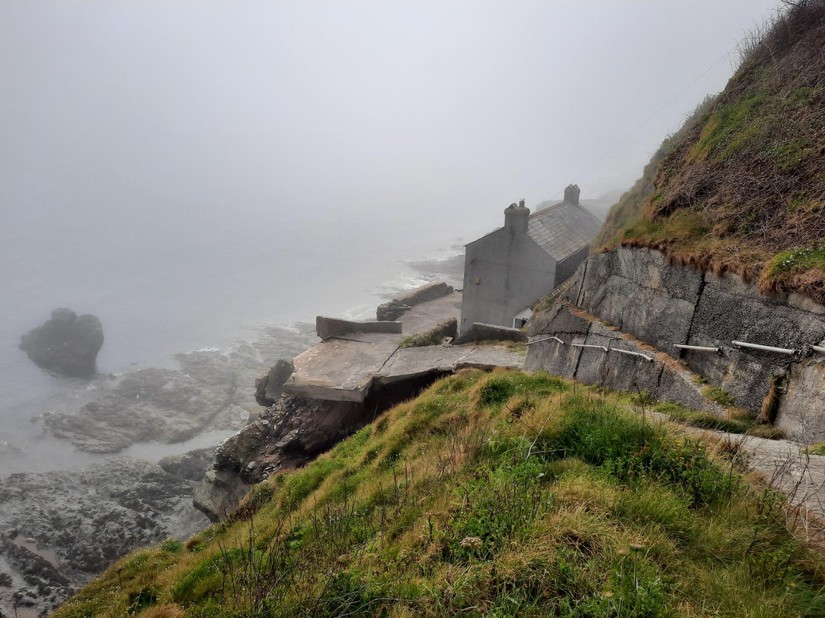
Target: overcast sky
[(396, 111)]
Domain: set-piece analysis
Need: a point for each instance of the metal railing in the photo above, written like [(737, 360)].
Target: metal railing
[(764, 348), (551, 337), (683, 346), (697, 348), (589, 345), (632, 353)]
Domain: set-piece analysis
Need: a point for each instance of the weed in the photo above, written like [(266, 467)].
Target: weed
[(417, 341), (172, 545), (719, 395)]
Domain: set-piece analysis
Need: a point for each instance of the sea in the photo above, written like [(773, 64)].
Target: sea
[(169, 281)]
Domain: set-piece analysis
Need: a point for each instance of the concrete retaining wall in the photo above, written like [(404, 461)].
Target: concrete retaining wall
[(662, 377), (801, 414), (393, 309), (662, 304), (333, 327), (492, 332)]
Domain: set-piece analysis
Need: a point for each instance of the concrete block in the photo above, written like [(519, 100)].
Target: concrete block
[(484, 332), (333, 327), (393, 309)]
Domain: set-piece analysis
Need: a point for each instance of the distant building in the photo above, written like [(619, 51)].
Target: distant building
[(509, 269)]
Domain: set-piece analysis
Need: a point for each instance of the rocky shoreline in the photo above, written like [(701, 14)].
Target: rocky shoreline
[(59, 529)]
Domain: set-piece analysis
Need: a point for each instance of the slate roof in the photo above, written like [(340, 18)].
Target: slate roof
[(562, 229)]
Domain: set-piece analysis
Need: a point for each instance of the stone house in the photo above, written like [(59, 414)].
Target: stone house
[(509, 269)]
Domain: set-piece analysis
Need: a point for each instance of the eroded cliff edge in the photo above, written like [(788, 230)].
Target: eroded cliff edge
[(636, 297)]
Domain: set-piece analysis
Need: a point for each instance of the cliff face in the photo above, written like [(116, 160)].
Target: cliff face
[(722, 240), (742, 188), (643, 296)]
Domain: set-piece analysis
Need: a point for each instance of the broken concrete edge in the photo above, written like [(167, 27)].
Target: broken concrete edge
[(328, 393), (326, 327), (394, 308), (479, 331)]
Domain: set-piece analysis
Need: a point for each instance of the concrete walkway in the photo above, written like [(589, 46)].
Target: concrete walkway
[(785, 466), (344, 368)]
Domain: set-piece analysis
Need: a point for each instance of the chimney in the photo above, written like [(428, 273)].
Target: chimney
[(516, 217), (571, 194)]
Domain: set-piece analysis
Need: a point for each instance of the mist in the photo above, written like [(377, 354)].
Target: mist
[(186, 170)]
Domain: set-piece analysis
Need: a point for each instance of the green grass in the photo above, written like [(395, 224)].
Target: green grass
[(719, 395), (500, 494), (417, 341), (729, 128), (816, 449), (741, 424), (796, 260)]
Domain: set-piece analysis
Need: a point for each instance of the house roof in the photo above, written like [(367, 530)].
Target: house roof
[(562, 229)]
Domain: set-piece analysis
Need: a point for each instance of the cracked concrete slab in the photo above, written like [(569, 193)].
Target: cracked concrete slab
[(344, 368)]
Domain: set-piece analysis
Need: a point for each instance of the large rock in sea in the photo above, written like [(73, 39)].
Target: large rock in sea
[(67, 343)]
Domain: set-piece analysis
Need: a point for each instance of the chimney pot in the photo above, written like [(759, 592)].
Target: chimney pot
[(571, 194)]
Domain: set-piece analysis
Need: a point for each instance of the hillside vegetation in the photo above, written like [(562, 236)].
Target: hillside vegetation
[(490, 494), (742, 188)]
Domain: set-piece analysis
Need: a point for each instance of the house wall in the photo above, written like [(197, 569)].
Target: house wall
[(512, 272), (566, 268)]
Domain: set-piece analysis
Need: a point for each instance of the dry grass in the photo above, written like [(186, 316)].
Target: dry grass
[(743, 186)]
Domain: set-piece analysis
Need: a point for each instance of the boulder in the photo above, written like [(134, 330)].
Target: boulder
[(191, 466), (67, 343), (270, 385)]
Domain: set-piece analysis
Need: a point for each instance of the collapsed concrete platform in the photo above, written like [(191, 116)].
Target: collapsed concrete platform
[(345, 366)]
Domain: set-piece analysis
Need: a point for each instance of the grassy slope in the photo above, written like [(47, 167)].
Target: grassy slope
[(743, 188), (630, 205), (498, 494)]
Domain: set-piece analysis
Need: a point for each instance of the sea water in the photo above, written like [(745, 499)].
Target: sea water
[(164, 282)]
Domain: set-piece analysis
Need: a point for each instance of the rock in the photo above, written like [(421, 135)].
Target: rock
[(800, 415), (191, 466), (87, 519), (641, 293), (287, 435), (212, 391), (67, 343), (270, 385), (153, 404), (219, 493)]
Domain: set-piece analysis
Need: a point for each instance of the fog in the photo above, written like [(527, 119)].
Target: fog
[(177, 166), (403, 113), (206, 177)]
